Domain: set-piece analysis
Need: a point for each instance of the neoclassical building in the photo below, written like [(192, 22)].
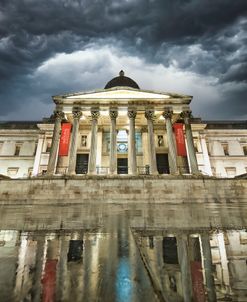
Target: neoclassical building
[(123, 129)]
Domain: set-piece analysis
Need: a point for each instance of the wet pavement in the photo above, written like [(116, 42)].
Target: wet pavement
[(194, 252)]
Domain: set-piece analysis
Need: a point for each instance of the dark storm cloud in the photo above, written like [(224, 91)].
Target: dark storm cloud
[(200, 36)]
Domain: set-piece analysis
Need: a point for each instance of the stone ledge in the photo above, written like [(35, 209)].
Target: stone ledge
[(123, 190), (122, 177)]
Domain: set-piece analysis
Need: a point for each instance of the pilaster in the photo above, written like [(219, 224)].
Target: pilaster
[(73, 144), (132, 143), (149, 114), (93, 148), (170, 140), (59, 116), (186, 115), (113, 141)]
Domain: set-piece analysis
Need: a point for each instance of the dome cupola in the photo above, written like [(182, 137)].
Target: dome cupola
[(121, 80)]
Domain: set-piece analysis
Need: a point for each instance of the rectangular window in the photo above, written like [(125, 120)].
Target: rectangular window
[(230, 171), (170, 254), (30, 171), (225, 149), (151, 242), (208, 148), (12, 171), (84, 141), (226, 239), (35, 149), (195, 144), (17, 149), (243, 237), (213, 170), (245, 150), (48, 146), (160, 141)]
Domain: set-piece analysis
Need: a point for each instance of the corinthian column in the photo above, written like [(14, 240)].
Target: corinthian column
[(170, 140), (208, 266), (93, 147), (113, 141), (149, 114), (73, 144), (190, 143), (183, 257), (132, 142), (59, 115)]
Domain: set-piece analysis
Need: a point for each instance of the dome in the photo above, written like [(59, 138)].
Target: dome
[(121, 80)]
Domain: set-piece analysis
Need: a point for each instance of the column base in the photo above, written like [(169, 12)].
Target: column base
[(175, 173), (71, 173)]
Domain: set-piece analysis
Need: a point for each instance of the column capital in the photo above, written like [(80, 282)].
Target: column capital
[(131, 113), (167, 113), (149, 114), (58, 114), (202, 135), (186, 114), (76, 113), (95, 114), (113, 113)]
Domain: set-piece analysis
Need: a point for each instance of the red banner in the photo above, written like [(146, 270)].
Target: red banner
[(197, 281), (180, 141), (49, 281), (64, 139)]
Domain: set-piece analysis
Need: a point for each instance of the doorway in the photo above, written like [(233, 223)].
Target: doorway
[(170, 254), (81, 164), (162, 163), (122, 166)]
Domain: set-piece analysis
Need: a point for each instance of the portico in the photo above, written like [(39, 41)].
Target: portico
[(123, 125)]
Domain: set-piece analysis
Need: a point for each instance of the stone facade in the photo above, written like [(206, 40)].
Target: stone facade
[(122, 190), (123, 130)]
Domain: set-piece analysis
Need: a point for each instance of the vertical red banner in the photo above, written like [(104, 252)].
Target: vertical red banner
[(180, 141), (197, 281), (64, 139), (49, 281)]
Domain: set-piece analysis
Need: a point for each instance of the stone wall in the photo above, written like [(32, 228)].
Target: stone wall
[(123, 190)]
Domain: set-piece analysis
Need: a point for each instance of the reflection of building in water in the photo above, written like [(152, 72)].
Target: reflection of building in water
[(196, 267), (230, 259), (122, 129), (44, 265), (9, 239), (72, 266)]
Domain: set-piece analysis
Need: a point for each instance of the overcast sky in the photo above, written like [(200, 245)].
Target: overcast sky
[(195, 47)]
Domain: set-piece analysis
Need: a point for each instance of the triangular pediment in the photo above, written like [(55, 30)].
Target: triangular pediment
[(119, 94)]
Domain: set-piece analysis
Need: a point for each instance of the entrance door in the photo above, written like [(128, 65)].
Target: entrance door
[(170, 254), (122, 166), (81, 164), (162, 163)]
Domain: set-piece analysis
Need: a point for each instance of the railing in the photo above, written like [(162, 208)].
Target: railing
[(183, 170), (122, 170), (163, 169), (102, 170), (143, 170), (81, 169)]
